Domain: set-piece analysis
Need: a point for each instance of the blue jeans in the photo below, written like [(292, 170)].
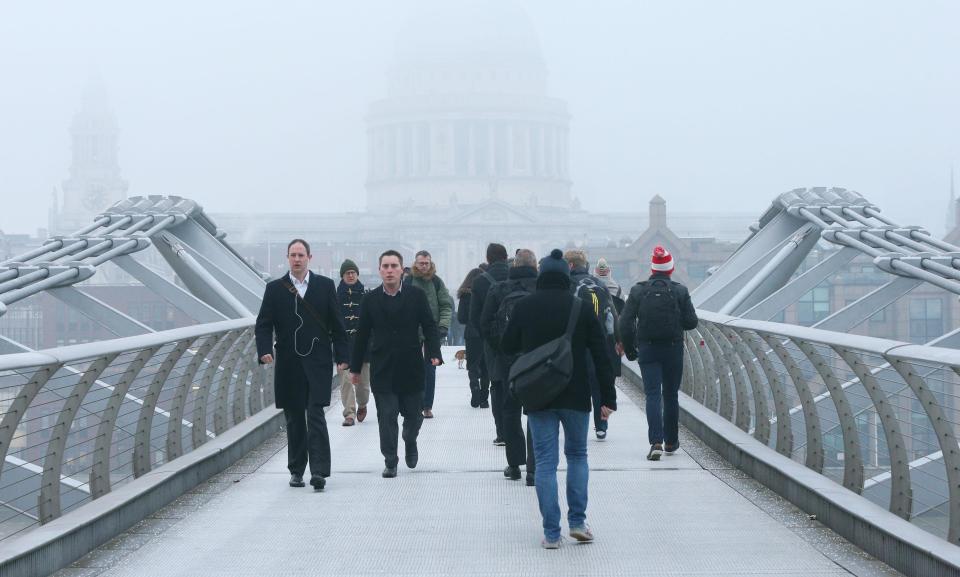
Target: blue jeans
[(661, 366), (545, 429), (429, 382)]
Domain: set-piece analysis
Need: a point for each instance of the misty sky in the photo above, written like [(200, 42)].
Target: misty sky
[(259, 106)]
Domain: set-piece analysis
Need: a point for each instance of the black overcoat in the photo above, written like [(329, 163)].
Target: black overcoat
[(390, 326), (307, 375)]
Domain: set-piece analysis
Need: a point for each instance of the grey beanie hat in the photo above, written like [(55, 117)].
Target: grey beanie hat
[(554, 263)]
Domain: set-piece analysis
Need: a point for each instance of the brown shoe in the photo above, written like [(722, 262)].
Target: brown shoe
[(427, 414), (362, 413), (348, 422)]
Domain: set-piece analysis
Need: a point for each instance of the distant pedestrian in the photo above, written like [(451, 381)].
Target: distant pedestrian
[(657, 312), (300, 311), (537, 319), (476, 368), (354, 398), (392, 318), (605, 274), (424, 276)]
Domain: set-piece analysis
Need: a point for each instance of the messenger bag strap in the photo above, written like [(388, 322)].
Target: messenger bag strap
[(306, 305), (572, 321)]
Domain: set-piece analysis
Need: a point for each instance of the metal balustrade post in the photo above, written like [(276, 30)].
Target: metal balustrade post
[(142, 462), (179, 401), (945, 438), (13, 416), (255, 394), (697, 388), (686, 381), (48, 502), (203, 392), (739, 386), (852, 457), (760, 408), (720, 365), (100, 471), (784, 422), (269, 394), (811, 419), (228, 376), (901, 494), (241, 390), (711, 382)]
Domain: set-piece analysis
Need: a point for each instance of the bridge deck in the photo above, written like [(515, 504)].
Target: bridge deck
[(457, 514)]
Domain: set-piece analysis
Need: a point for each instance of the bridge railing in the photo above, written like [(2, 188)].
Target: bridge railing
[(878, 416), (78, 421)]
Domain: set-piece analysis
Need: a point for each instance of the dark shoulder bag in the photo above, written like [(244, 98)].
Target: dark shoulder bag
[(539, 376)]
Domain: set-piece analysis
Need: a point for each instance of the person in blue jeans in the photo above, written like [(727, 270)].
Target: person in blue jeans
[(657, 312), (538, 319)]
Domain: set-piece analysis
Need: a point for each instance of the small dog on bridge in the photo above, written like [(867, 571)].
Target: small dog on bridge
[(461, 356)]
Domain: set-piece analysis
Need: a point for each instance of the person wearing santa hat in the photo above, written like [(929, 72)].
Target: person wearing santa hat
[(657, 312)]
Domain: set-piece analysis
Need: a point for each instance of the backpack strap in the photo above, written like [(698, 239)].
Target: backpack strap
[(572, 321), (489, 277)]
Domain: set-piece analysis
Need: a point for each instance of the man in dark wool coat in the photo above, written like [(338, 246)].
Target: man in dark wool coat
[(395, 314), (300, 309)]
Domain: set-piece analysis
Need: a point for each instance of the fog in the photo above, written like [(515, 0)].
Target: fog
[(259, 106)]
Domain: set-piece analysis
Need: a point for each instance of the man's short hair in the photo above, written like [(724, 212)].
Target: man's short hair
[(390, 252), (496, 252), (301, 241), (525, 257), (576, 257), (420, 253)]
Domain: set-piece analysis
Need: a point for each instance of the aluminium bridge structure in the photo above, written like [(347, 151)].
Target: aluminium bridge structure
[(858, 431)]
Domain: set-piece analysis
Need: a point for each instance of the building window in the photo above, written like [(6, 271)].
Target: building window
[(926, 320), (814, 306)]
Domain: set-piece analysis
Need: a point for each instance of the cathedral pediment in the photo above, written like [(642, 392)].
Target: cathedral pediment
[(493, 212)]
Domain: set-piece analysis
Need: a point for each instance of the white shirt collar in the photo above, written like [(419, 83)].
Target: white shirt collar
[(300, 286), (399, 290)]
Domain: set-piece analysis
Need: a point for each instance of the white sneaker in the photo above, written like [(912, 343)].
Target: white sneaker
[(582, 534), (551, 544)]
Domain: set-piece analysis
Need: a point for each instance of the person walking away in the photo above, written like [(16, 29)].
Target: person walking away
[(537, 319), (497, 271), (354, 398), (657, 312), (497, 311), (595, 295), (395, 315), (299, 328), (424, 276), (473, 343)]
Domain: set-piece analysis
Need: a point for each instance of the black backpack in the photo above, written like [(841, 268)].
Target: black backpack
[(505, 311), (598, 299), (539, 376), (658, 313)]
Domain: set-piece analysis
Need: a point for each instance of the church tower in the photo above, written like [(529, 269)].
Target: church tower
[(95, 183)]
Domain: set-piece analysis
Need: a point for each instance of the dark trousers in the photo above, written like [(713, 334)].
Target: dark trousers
[(308, 440), (389, 406), (497, 394), (429, 383), (598, 423), (477, 368), (511, 421), (661, 366)]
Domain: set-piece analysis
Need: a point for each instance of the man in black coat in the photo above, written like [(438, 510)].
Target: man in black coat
[(522, 280), (497, 271), (538, 319), (395, 314), (300, 310), (656, 314)]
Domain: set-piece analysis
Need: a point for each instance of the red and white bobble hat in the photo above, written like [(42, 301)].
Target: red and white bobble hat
[(662, 261)]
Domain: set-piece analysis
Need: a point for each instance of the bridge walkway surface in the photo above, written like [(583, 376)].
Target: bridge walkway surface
[(455, 514)]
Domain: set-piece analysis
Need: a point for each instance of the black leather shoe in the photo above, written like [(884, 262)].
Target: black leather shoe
[(512, 473), (530, 480), (317, 482), (389, 472), (296, 481), (411, 455), (484, 404)]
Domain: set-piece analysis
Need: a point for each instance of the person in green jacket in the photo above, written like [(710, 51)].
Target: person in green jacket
[(423, 275)]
